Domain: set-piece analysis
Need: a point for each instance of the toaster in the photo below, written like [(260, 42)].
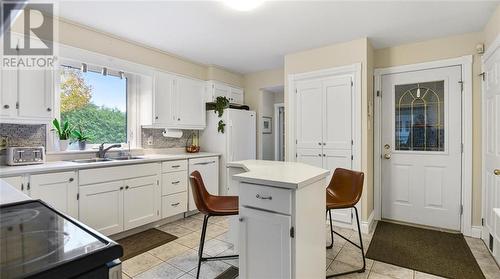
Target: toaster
[(18, 156)]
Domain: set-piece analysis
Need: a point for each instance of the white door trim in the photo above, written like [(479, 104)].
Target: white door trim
[(353, 70), (495, 46), (466, 63), (276, 129)]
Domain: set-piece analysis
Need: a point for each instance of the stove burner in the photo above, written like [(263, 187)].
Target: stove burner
[(17, 216)]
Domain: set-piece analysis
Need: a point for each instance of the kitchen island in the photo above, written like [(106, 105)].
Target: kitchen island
[(281, 222)]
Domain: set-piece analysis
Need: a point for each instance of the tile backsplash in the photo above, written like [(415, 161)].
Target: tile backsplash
[(24, 134), (154, 139)]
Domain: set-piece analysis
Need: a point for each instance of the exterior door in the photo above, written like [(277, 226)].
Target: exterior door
[(265, 250), (421, 138), (491, 132), (141, 199)]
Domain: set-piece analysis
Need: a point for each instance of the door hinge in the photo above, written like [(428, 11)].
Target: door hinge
[(461, 86), (296, 155), (352, 83), (78, 196), (352, 142), (352, 157), (158, 182), (379, 93), (482, 221), (17, 105), (483, 76), (352, 215), (461, 209), (462, 147), (296, 141), (158, 212), (296, 91), (292, 232)]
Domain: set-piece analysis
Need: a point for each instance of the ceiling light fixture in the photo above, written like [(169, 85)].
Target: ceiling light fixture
[(243, 5)]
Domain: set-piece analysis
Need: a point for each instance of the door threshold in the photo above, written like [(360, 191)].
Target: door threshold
[(420, 226)]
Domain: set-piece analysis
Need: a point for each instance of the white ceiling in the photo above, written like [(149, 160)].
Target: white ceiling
[(209, 32)]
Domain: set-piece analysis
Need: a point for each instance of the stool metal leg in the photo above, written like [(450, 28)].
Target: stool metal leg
[(360, 246), (331, 229)]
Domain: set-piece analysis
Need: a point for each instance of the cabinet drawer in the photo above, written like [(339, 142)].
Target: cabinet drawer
[(173, 204), (174, 182), (268, 198), (171, 166)]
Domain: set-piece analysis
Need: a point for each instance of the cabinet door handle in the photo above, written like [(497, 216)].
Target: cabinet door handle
[(6, 106), (28, 186), (324, 155), (241, 219), (319, 143), (176, 166), (178, 119), (22, 186), (175, 204), (126, 187), (264, 197), (49, 109), (156, 117), (496, 172), (319, 155), (71, 179), (121, 188), (176, 182), (204, 163)]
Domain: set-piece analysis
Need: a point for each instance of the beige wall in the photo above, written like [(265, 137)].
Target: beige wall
[(443, 48), (492, 28), (342, 54), (254, 84), (216, 73)]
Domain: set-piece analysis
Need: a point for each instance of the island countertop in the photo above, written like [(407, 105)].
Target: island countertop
[(291, 175)]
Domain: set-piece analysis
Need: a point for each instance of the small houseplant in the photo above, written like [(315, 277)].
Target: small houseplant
[(221, 103), (80, 137), (63, 131)]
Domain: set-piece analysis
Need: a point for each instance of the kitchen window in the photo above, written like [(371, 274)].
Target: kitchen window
[(94, 99)]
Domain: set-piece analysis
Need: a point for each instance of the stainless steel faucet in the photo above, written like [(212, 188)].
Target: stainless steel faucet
[(102, 151)]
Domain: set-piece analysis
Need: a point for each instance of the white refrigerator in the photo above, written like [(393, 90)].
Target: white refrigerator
[(238, 142)]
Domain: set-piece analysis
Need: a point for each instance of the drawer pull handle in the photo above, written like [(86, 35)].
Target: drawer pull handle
[(204, 163), (176, 166), (176, 182), (175, 204), (263, 198)]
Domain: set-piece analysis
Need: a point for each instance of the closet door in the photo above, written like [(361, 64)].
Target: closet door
[(337, 131), (309, 114)]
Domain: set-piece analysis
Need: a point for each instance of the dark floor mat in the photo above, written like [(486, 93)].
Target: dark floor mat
[(230, 273), (141, 242), (439, 253)]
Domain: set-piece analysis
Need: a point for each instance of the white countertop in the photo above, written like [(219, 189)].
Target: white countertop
[(290, 175), (9, 194), (68, 165)]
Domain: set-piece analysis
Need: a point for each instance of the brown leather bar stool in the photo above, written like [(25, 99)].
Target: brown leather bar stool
[(210, 205), (344, 191)]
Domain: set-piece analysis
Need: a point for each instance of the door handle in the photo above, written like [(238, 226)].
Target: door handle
[(496, 171), (263, 198), (387, 156)]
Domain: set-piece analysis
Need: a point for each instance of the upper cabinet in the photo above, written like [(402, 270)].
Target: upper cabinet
[(176, 102), (232, 93), (26, 95)]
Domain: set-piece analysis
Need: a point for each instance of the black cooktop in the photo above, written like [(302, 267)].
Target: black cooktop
[(38, 241)]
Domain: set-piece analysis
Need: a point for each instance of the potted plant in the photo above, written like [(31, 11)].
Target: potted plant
[(80, 137), (63, 133), (221, 103)]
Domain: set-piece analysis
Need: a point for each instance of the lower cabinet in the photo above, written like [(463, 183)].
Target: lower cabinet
[(174, 204), (101, 206), (18, 182), (59, 190), (264, 238), (141, 201)]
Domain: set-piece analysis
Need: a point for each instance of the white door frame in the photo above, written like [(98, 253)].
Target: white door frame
[(353, 70), (276, 129), (495, 46), (466, 188)]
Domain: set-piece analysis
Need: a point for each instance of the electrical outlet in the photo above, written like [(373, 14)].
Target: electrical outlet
[(150, 140)]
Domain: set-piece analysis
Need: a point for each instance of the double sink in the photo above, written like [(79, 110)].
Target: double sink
[(98, 160)]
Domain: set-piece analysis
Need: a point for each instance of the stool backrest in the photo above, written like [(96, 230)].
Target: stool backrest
[(346, 185), (200, 193)]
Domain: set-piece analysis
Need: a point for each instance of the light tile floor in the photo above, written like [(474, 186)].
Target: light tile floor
[(178, 259)]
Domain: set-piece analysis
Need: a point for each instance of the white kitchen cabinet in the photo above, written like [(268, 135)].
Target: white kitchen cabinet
[(216, 89), (18, 182), (141, 199), (163, 99), (59, 190), (27, 95), (8, 93), (177, 102), (174, 190), (264, 239), (209, 170), (174, 204), (101, 206)]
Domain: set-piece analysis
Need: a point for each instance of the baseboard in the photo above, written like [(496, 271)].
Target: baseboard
[(367, 226), (476, 231)]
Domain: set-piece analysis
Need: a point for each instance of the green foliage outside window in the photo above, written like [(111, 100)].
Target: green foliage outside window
[(101, 124)]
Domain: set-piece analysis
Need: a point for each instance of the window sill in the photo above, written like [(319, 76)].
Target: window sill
[(91, 151)]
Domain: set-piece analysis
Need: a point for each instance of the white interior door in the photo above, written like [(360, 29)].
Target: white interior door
[(491, 132), (421, 138), (309, 114)]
